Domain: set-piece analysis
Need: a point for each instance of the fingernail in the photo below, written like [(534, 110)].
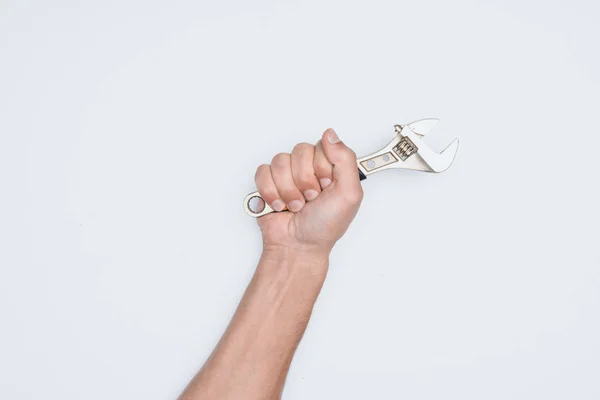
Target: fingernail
[(332, 137), (311, 194), (295, 205), (324, 182), (278, 205)]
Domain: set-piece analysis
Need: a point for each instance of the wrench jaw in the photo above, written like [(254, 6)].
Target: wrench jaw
[(444, 160), (408, 150), (437, 162), (423, 126)]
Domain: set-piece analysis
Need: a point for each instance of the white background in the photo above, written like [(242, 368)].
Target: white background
[(130, 131)]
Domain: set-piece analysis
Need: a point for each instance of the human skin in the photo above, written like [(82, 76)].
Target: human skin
[(320, 186)]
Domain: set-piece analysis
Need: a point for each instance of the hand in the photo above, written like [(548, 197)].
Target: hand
[(321, 189)]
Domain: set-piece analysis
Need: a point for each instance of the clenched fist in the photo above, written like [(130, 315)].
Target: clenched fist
[(319, 185)]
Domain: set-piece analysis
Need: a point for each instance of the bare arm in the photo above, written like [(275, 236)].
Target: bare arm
[(252, 358)]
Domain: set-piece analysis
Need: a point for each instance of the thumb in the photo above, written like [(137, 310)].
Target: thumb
[(345, 170)]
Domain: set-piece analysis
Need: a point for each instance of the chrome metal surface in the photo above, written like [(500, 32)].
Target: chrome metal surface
[(407, 150), (423, 126), (256, 213)]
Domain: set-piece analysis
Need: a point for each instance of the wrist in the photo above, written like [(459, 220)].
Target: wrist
[(298, 263), (302, 254)]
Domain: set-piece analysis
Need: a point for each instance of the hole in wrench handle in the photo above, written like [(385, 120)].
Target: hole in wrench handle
[(249, 202)]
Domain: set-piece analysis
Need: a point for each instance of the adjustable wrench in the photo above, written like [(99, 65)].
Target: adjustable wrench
[(407, 150)]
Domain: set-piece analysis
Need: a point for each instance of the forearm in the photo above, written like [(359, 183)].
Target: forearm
[(252, 359), (322, 192)]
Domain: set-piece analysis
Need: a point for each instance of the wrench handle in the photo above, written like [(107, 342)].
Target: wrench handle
[(255, 206)]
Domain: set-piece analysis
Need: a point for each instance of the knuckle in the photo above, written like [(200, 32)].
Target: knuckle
[(261, 171), (302, 147), (354, 196), (268, 194), (322, 168), (304, 178), (348, 154), (280, 160), (323, 173), (290, 194)]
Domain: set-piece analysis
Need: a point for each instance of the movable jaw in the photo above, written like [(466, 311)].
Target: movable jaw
[(408, 150)]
